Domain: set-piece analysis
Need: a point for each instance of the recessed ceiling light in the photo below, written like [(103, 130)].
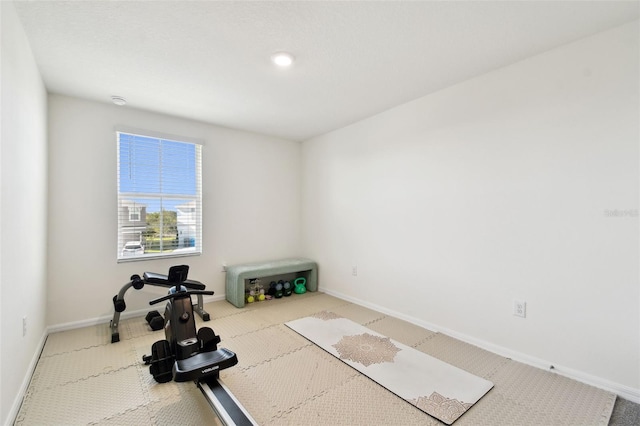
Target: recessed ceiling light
[(118, 100), (282, 59)]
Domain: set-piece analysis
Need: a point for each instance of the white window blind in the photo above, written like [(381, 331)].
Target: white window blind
[(159, 197)]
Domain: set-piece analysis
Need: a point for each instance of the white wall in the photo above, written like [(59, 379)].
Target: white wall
[(496, 189), (451, 206), (251, 205), (22, 211)]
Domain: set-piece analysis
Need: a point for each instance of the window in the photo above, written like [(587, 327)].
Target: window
[(159, 197), (134, 214)]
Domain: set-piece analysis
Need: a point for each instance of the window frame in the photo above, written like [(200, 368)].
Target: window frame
[(135, 201)]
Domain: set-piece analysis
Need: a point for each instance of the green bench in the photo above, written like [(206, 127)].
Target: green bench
[(236, 274)]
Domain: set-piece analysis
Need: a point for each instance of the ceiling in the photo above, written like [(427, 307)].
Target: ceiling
[(209, 60)]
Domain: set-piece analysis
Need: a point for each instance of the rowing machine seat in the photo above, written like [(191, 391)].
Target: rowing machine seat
[(164, 281), (203, 364)]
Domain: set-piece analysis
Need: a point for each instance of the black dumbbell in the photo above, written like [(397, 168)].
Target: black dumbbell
[(155, 320)]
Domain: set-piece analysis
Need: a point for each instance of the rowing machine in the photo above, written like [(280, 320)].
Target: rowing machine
[(151, 278), (187, 355)]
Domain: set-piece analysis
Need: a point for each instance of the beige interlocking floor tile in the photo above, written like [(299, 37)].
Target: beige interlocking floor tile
[(79, 338), (357, 401), (80, 364), (82, 378), (463, 355), (402, 331), (494, 409), (132, 328), (135, 328), (284, 313), (158, 391), (237, 325), (84, 401), (357, 313), (189, 407), (321, 302), (142, 345), (245, 390), (263, 345), (276, 310), (219, 309), (140, 416), (274, 387), (564, 400), (298, 306), (222, 308)]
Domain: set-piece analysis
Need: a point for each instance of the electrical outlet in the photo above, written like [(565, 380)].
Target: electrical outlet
[(520, 308), (354, 270), (24, 326), (224, 267)]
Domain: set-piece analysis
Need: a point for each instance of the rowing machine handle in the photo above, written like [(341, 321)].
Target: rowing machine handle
[(180, 294)]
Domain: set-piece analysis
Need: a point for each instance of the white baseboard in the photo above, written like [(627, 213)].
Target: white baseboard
[(623, 391), (107, 318), (15, 408)]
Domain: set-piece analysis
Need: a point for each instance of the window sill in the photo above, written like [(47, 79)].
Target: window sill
[(158, 256)]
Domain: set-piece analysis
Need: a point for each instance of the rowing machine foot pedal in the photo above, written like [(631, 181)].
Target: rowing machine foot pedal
[(208, 339), (161, 361)]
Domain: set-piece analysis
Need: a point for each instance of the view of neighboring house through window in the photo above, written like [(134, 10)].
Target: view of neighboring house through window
[(159, 197)]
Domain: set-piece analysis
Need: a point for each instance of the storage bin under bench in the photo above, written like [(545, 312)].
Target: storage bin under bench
[(236, 274)]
